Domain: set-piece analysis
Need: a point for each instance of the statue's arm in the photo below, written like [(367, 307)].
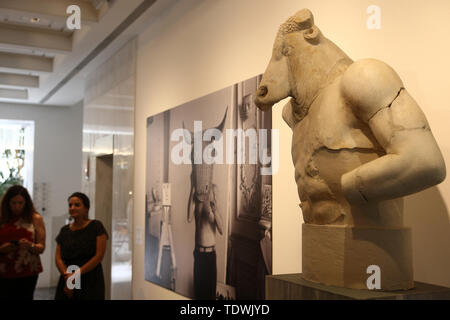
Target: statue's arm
[(215, 210), (413, 160)]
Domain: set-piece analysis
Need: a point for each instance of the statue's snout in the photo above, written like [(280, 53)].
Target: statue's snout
[(260, 99), (262, 91)]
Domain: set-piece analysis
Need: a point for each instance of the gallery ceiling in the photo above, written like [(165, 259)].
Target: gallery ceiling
[(42, 61)]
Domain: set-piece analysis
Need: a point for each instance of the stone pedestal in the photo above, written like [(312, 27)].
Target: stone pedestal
[(294, 287), (340, 256)]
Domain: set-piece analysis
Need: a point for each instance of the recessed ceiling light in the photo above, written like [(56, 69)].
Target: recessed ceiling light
[(35, 20)]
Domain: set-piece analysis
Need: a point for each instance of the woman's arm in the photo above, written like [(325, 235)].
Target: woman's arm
[(7, 247), (38, 245), (63, 270), (39, 226), (99, 254), (59, 262)]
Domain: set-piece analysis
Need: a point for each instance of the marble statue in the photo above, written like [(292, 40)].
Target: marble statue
[(360, 143)]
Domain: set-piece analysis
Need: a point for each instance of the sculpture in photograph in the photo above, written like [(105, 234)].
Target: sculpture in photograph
[(360, 143)]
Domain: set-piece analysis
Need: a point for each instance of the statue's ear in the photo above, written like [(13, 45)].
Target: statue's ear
[(311, 34), (222, 124), (304, 19)]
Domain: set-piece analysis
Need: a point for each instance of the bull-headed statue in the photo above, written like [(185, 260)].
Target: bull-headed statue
[(202, 196), (360, 142)]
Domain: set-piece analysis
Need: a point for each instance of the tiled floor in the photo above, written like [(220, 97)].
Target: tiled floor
[(44, 294)]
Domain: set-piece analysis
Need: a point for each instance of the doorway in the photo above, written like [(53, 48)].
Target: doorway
[(103, 209)]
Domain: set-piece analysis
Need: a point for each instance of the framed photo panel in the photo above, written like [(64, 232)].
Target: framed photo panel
[(208, 202)]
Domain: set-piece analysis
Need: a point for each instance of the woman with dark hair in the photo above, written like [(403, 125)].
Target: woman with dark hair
[(81, 246), (22, 240)]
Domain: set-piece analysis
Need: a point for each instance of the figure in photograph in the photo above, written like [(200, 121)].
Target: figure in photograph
[(22, 240), (202, 206)]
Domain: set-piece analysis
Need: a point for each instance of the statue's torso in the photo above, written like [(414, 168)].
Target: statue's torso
[(327, 143), (205, 227)]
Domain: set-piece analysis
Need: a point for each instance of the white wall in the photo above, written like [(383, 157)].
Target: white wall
[(57, 161), (200, 46)]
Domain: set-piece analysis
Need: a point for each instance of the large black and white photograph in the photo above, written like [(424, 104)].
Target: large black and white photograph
[(209, 196)]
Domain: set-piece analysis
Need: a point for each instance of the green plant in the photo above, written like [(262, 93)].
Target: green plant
[(14, 176)]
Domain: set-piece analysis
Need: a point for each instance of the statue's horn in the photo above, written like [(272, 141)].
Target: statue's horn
[(222, 124), (187, 137), (304, 19)]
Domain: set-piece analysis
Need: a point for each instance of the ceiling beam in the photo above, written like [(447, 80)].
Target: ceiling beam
[(98, 3), (25, 62), (55, 8), (14, 94), (26, 37), (109, 107), (132, 17), (19, 80)]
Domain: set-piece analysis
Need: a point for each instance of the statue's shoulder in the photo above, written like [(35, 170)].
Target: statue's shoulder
[(369, 85)]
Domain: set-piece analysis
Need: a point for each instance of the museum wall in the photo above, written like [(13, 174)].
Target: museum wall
[(57, 163), (197, 47)]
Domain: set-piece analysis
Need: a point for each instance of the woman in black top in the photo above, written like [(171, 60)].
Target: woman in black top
[(81, 244)]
